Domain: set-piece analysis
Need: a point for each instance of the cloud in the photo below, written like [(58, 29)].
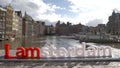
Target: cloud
[(75, 11), (94, 9), (33, 5), (5, 2), (40, 10), (94, 22)]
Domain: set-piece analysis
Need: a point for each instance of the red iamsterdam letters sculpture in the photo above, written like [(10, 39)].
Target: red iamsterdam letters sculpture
[(23, 53)]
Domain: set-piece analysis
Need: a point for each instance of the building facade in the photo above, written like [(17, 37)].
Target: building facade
[(9, 21), (15, 24), (101, 29), (41, 28), (62, 29), (2, 22), (113, 25), (19, 31), (68, 28), (27, 29), (50, 30)]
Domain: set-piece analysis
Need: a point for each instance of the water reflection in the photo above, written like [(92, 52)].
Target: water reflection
[(24, 42), (46, 41)]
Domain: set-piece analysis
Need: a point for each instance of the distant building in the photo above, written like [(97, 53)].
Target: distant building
[(50, 30), (41, 28), (101, 29), (67, 29), (15, 24), (91, 30), (113, 25), (2, 22), (35, 29), (62, 29), (32, 28), (9, 21), (27, 29), (19, 15), (76, 28)]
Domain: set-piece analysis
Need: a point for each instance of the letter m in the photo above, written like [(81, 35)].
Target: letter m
[(32, 52)]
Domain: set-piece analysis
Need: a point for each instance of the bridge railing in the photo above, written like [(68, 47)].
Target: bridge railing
[(63, 60)]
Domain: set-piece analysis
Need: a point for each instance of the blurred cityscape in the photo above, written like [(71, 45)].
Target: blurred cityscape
[(14, 25), (28, 33)]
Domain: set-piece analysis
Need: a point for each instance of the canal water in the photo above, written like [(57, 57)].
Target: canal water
[(40, 42), (57, 41)]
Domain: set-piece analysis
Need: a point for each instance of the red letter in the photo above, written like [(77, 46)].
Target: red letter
[(20, 53), (32, 50), (7, 52)]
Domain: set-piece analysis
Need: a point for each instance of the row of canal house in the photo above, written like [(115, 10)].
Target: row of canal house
[(13, 24)]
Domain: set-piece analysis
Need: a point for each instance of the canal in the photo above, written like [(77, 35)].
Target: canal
[(40, 42)]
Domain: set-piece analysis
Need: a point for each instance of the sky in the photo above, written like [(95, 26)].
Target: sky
[(87, 12)]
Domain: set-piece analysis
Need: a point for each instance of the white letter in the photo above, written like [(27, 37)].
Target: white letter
[(71, 52), (79, 52), (91, 51), (45, 52), (62, 52), (53, 51)]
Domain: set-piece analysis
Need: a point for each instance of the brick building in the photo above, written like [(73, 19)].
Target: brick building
[(67, 29)]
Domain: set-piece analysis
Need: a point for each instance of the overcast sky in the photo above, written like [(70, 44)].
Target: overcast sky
[(90, 12)]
